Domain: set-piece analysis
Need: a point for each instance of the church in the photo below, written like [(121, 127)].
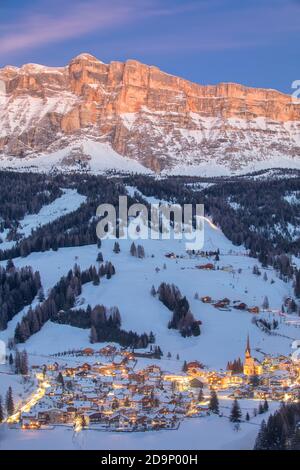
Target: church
[(251, 366)]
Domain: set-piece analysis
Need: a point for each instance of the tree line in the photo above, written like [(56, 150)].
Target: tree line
[(281, 431), (61, 297), (18, 288), (235, 366), (182, 318), (21, 194)]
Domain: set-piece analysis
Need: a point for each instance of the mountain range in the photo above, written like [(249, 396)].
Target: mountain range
[(133, 117)]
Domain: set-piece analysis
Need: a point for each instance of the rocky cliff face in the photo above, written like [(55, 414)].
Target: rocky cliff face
[(160, 121)]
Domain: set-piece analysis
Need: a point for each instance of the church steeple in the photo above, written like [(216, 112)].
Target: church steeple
[(251, 366), (248, 349)]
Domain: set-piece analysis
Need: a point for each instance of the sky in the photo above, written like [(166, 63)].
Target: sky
[(253, 42)]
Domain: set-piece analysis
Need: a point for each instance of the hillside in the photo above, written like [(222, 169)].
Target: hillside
[(63, 235)]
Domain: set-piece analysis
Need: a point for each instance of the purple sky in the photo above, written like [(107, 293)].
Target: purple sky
[(255, 42)]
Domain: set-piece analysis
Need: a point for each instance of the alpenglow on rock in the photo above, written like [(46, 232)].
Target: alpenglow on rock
[(134, 117)]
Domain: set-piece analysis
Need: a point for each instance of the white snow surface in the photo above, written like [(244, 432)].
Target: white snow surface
[(100, 158), (210, 433)]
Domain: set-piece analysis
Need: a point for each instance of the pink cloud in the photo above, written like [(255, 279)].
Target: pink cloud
[(217, 28), (83, 18)]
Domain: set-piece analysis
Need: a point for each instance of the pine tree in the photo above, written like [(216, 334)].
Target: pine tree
[(265, 304), (247, 417), (260, 409), (261, 439), (41, 295), (100, 257), (297, 284), (153, 291), (10, 265), (24, 363), (133, 250), (266, 405), (236, 414), (102, 270), (116, 248), (96, 279), (60, 379), (256, 271), (10, 407), (295, 440), (158, 352), (10, 359), (195, 329), (140, 251), (184, 367), (17, 362), (93, 335), (214, 402), (151, 338), (200, 395)]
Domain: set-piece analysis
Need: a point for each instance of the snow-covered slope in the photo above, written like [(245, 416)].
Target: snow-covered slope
[(223, 332), (83, 155)]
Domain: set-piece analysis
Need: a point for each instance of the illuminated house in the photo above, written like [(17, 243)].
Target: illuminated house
[(195, 368), (251, 366)]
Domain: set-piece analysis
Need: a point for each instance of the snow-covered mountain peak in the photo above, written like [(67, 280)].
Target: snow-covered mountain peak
[(85, 56)]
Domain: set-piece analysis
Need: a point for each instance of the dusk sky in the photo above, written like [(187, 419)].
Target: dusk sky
[(254, 42)]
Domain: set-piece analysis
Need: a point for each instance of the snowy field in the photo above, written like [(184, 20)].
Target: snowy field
[(100, 158), (210, 433)]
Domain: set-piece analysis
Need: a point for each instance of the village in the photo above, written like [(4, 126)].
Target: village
[(112, 394), (114, 389)]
